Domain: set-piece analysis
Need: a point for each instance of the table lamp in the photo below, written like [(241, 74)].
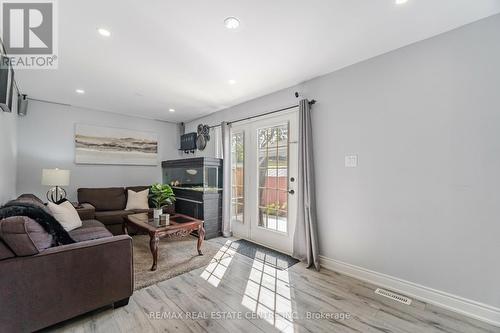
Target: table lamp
[(55, 177)]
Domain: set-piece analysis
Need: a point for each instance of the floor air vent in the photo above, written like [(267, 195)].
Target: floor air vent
[(393, 296)]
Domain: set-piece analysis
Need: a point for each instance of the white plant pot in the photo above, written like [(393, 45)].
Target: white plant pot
[(157, 213)]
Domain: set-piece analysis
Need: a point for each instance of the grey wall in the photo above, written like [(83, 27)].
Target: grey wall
[(8, 155), (46, 140), (424, 203)]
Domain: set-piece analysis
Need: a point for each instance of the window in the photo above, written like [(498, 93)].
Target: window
[(273, 177), (237, 177)]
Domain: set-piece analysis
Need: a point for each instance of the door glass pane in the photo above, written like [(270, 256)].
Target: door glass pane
[(237, 177), (273, 177), (263, 158)]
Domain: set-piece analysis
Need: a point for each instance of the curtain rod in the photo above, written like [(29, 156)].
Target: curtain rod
[(312, 102), (49, 102)]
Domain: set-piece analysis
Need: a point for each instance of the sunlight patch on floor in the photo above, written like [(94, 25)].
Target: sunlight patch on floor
[(268, 292), (217, 267)]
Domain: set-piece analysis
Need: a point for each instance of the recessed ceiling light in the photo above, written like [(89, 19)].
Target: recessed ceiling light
[(104, 32), (80, 91), (232, 23), (171, 110), (400, 2), (231, 82)]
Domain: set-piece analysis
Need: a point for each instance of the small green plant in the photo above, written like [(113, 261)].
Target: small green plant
[(276, 209), (161, 195)]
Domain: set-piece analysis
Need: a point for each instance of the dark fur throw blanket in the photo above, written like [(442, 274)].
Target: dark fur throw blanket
[(47, 221)]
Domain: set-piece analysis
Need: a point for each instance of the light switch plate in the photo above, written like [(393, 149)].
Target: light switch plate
[(351, 161)]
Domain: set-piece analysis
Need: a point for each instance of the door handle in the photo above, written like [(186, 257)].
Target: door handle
[(291, 192)]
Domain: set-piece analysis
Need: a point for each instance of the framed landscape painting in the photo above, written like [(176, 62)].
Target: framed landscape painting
[(107, 145)]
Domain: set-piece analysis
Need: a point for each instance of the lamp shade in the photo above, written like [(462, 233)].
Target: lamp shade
[(55, 177)]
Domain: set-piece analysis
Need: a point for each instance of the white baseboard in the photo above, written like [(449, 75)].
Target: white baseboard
[(467, 307)]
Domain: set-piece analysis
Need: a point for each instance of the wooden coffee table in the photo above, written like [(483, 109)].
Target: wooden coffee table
[(180, 226)]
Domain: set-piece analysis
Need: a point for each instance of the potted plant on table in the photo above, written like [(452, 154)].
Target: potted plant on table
[(161, 195)]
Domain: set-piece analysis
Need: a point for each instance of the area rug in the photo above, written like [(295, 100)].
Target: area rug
[(175, 257)]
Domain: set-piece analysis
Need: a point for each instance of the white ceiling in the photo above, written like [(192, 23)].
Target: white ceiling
[(178, 54)]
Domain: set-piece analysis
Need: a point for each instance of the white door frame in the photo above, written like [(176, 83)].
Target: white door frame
[(249, 229)]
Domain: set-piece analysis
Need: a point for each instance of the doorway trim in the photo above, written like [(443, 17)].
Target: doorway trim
[(249, 228)]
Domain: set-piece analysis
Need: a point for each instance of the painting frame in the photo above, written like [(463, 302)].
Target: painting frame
[(103, 145)]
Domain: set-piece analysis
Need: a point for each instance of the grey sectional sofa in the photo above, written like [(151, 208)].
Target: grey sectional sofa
[(42, 284)]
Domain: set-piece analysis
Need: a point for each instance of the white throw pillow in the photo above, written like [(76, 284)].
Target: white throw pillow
[(65, 214), (137, 200)]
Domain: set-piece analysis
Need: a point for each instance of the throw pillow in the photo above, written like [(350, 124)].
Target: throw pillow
[(66, 215), (137, 200)]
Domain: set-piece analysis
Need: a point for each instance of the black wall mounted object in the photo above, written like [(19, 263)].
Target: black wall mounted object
[(188, 142), (6, 84)]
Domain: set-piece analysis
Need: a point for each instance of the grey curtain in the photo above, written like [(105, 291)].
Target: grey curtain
[(226, 179), (305, 241)]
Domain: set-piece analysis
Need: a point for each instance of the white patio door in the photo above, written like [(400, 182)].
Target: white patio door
[(264, 168)]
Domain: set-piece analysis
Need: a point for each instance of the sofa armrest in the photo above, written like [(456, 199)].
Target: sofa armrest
[(100, 242), (86, 211), (63, 282)]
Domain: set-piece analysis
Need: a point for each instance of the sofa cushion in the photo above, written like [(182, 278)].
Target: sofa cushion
[(90, 229), (115, 229), (103, 199), (137, 188), (137, 211), (5, 252), (112, 216), (24, 236), (86, 211)]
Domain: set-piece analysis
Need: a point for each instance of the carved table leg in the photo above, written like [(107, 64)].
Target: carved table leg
[(153, 246), (201, 236)]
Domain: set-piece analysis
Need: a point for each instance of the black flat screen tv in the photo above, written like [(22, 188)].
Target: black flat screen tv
[(188, 141), (6, 84)]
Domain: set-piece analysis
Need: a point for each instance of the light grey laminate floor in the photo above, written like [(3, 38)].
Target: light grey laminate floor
[(239, 294)]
